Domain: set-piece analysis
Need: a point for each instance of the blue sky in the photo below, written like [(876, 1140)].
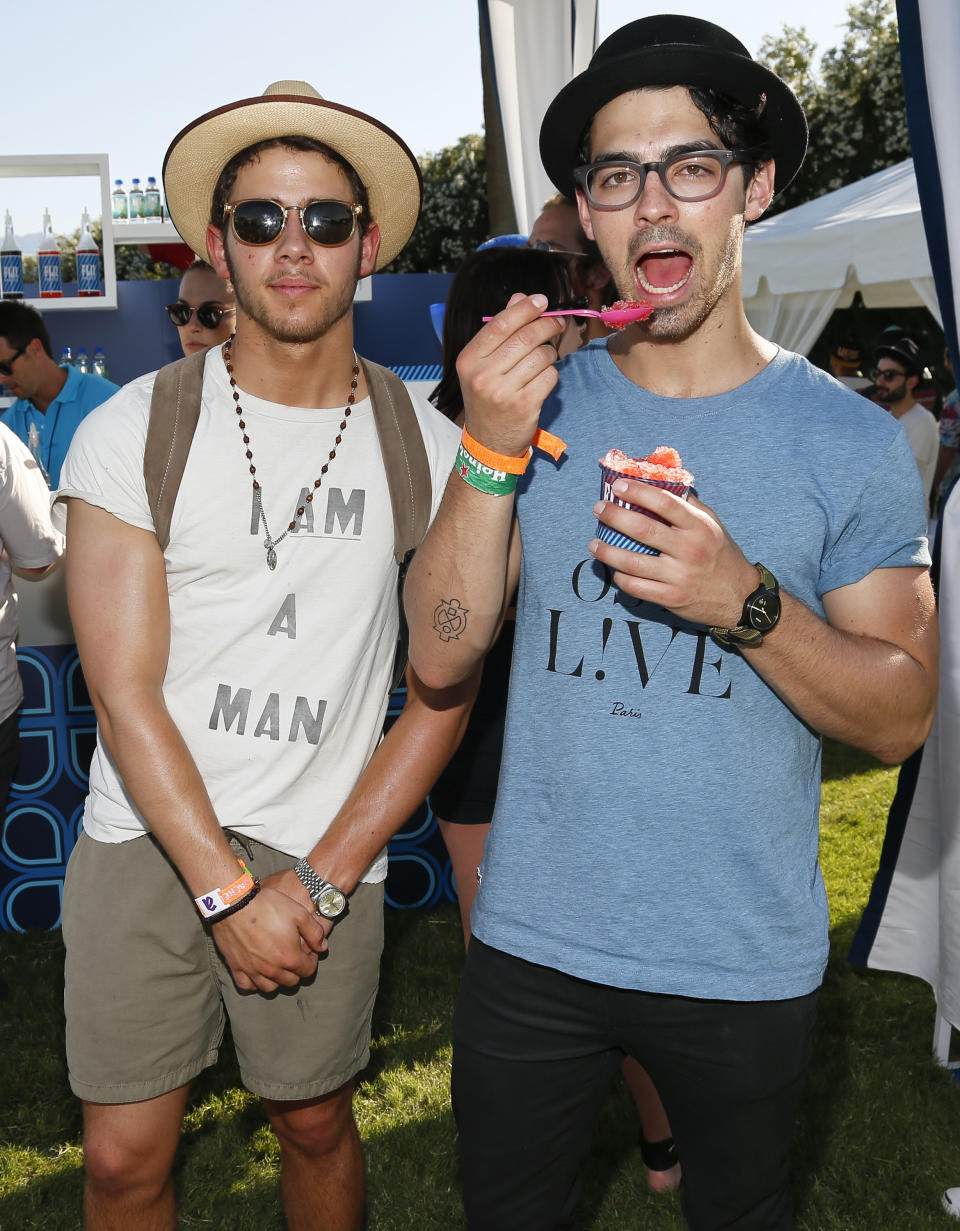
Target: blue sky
[(126, 78)]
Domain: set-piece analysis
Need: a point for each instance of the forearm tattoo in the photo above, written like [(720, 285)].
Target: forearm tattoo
[(450, 619)]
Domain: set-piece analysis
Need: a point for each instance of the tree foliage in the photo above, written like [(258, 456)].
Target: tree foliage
[(454, 218), (854, 100)]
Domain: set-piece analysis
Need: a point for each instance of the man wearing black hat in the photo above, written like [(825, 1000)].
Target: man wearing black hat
[(650, 883), (232, 861), (899, 370)]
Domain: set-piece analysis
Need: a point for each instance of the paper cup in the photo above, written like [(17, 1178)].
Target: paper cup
[(606, 534)]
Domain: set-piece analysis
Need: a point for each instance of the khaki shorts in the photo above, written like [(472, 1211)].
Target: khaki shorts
[(147, 993)]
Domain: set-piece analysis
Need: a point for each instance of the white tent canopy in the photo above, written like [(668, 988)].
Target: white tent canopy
[(868, 237)]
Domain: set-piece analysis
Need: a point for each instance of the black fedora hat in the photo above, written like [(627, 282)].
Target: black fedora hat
[(669, 50), (904, 350)]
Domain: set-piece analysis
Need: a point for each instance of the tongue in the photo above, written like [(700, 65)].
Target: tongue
[(665, 268)]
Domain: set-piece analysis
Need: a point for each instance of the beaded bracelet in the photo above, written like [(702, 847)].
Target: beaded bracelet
[(214, 902), (232, 910)]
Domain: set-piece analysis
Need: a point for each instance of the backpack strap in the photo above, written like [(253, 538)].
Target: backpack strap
[(174, 412), (408, 478), (404, 457)]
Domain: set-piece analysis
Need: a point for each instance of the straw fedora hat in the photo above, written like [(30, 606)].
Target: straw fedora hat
[(669, 50), (387, 168)]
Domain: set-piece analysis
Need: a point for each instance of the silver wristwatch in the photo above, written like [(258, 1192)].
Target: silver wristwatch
[(329, 901)]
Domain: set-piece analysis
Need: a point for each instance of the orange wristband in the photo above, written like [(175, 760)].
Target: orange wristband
[(496, 461)]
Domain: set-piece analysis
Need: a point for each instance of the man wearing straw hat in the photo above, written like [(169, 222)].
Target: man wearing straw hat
[(232, 860), (650, 883)]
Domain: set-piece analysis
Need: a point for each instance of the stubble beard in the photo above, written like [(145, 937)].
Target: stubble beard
[(676, 322), (284, 328)]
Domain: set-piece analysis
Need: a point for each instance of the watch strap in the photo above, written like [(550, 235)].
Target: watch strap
[(744, 635)]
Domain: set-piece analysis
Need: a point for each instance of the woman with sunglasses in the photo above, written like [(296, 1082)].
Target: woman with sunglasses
[(204, 312)]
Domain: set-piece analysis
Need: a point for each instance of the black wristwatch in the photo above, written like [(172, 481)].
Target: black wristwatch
[(329, 901), (761, 613)]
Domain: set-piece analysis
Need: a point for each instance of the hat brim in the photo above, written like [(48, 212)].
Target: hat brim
[(384, 163), (680, 64)]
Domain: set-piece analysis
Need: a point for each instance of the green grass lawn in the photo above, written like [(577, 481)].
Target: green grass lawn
[(876, 1140)]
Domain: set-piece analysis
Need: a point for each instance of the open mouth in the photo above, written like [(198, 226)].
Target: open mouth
[(664, 271)]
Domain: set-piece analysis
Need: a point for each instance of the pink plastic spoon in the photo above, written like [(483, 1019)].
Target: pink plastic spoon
[(609, 316)]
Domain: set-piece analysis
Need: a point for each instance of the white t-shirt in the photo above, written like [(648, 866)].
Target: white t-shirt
[(28, 540), (924, 435), (278, 680)]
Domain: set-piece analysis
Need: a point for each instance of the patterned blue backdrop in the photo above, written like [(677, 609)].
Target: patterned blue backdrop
[(58, 731)]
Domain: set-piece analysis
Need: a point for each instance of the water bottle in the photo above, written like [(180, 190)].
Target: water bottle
[(11, 262), (49, 262), (100, 363), (88, 261), (83, 361), (66, 357), (152, 207), (33, 444), (136, 201), (119, 198)]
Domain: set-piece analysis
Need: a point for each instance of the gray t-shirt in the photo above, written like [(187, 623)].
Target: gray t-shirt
[(656, 826)]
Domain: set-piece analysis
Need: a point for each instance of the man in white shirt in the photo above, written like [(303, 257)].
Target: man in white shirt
[(29, 544), (240, 673), (898, 372)]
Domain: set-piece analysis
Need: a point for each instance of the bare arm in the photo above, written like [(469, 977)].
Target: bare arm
[(466, 569), (395, 782), (117, 592), (867, 675)]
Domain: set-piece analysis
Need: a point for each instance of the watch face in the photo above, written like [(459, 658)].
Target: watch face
[(764, 611), (330, 902)]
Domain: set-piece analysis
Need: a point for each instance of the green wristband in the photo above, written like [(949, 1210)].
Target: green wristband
[(484, 478)]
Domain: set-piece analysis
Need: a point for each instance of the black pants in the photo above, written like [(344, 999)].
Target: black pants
[(535, 1052)]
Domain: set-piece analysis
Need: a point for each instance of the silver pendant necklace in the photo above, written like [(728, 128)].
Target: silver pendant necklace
[(269, 542)]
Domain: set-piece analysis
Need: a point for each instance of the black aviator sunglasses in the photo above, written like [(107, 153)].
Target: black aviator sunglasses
[(6, 368), (328, 223), (209, 314)]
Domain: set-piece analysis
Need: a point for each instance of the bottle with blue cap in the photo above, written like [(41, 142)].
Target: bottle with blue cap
[(152, 209), (119, 199), (136, 200)]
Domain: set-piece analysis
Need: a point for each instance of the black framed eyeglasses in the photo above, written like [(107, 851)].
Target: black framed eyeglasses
[(209, 314), (888, 374), (6, 367), (690, 176), (328, 223)]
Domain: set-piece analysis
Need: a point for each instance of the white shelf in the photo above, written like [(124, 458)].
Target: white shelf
[(46, 166), (152, 232)]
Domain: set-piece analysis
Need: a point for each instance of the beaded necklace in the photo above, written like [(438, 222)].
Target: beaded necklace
[(269, 542)]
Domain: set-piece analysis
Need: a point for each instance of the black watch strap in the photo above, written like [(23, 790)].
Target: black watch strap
[(760, 615)]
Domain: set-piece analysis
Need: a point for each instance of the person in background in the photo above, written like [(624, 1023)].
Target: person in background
[(899, 370), (558, 229), (51, 400), (948, 458), (845, 360), (464, 796), (204, 312), (30, 545)]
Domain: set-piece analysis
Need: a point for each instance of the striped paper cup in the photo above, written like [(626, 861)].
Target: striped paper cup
[(606, 534)]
